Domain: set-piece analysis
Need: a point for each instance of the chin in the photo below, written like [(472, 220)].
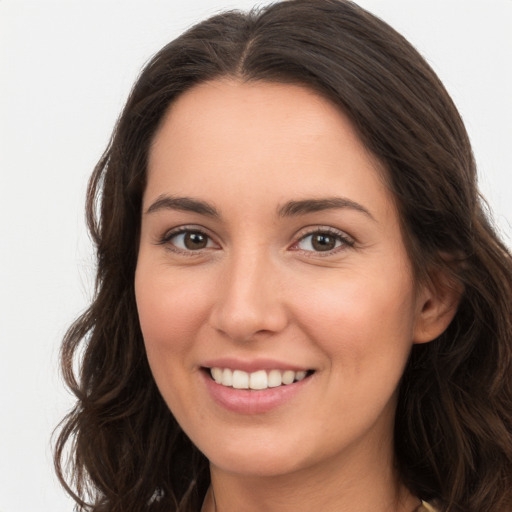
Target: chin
[(255, 458), (258, 467)]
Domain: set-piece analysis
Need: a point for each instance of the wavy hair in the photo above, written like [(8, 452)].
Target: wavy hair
[(121, 447)]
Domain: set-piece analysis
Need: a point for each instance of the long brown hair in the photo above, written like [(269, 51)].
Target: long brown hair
[(453, 429)]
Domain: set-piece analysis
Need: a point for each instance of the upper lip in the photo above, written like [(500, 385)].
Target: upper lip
[(252, 365)]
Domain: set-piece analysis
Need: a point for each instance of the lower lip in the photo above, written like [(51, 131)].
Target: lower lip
[(246, 401)]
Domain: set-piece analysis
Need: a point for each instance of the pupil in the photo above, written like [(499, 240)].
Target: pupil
[(323, 242), (195, 241)]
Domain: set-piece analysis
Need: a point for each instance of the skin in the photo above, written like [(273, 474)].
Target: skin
[(260, 289)]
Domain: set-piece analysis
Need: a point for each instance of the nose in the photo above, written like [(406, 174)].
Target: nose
[(249, 301)]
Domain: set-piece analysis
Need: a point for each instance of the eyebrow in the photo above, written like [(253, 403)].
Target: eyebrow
[(289, 209), (293, 208), (184, 204)]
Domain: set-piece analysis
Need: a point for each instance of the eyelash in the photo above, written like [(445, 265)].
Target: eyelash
[(339, 236), (169, 235)]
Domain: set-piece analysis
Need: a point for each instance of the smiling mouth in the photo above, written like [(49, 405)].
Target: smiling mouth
[(258, 380)]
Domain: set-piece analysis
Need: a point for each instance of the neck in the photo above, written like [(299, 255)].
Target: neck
[(333, 487)]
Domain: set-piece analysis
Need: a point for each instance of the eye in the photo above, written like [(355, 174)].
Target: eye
[(186, 240), (323, 240)]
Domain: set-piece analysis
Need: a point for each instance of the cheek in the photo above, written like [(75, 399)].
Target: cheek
[(361, 319), (170, 310), (170, 315)]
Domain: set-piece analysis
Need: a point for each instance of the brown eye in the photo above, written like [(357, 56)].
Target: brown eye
[(323, 241), (190, 240), (194, 240)]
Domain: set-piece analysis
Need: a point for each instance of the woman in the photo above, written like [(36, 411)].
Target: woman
[(300, 300)]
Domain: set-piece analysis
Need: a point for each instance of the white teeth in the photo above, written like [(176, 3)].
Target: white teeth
[(240, 379), (274, 378), (227, 377), (288, 377), (300, 375), (258, 380), (217, 375)]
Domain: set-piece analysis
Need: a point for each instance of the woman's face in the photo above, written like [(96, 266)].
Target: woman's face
[(271, 252)]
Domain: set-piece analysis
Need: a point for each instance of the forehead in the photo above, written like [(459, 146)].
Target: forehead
[(221, 107), (262, 138)]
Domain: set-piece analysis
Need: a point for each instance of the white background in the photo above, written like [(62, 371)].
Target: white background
[(65, 70)]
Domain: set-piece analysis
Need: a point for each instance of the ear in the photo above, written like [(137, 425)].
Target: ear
[(437, 304)]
